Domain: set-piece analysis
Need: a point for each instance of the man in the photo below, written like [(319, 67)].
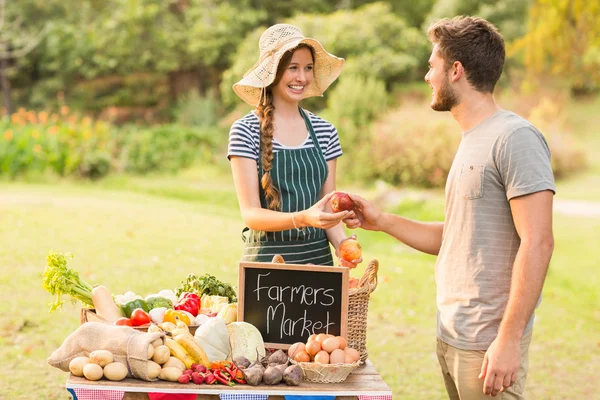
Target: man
[(496, 242)]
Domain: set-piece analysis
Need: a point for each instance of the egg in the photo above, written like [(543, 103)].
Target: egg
[(320, 337), (353, 354), (302, 356), (322, 357), (343, 342), (295, 348), (330, 344), (313, 347), (337, 357)]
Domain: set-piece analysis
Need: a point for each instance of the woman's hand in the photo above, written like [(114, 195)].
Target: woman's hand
[(320, 215), (344, 263)]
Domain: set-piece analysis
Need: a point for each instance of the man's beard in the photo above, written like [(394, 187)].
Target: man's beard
[(446, 98)]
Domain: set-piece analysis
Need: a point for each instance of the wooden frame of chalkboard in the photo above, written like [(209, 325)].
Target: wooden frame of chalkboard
[(289, 302)]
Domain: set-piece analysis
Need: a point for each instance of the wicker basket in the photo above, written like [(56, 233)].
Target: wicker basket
[(88, 315), (358, 306), (326, 373)]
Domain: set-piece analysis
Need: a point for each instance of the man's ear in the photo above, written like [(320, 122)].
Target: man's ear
[(457, 71)]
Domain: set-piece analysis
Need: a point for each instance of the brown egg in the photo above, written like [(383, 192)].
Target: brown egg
[(302, 356), (295, 348), (354, 354), (330, 344), (343, 342), (312, 337), (313, 347), (347, 358), (322, 357), (337, 357), (320, 337)]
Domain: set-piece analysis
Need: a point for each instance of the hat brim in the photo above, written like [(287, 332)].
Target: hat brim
[(327, 68)]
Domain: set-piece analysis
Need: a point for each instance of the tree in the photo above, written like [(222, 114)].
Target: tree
[(508, 15), (563, 41), (15, 42), (374, 41)]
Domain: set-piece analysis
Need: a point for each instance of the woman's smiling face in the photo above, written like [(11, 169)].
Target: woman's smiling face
[(296, 77)]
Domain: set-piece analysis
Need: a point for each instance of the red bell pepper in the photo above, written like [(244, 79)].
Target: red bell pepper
[(189, 302)]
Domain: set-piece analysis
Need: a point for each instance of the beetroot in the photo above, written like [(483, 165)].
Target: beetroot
[(292, 375)]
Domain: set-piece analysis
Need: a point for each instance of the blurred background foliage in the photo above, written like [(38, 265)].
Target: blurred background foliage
[(92, 87)]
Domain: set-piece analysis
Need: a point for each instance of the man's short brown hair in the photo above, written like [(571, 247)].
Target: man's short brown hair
[(476, 43)]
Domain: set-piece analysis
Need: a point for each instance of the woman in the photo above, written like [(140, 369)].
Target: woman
[(293, 152)]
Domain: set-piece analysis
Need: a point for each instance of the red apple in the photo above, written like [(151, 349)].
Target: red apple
[(340, 201), (350, 250)]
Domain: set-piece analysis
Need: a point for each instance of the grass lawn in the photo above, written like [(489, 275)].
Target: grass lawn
[(147, 234)]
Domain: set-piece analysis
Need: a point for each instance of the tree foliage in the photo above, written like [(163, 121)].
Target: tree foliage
[(508, 15), (374, 41), (563, 40)]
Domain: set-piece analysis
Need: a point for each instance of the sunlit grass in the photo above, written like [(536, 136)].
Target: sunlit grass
[(146, 234)]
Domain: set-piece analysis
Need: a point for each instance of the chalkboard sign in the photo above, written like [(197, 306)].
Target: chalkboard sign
[(288, 302)]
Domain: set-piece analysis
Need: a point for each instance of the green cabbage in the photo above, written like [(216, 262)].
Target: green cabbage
[(246, 341)]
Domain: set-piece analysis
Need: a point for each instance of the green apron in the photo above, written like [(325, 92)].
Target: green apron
[(299, 174)]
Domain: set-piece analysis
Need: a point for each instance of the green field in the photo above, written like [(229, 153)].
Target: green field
[(147, 234)]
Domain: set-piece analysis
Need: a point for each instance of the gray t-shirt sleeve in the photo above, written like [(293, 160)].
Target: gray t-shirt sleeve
[(523, 160)]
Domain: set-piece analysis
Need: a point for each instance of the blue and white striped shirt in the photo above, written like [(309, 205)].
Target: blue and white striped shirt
[(244, 138)]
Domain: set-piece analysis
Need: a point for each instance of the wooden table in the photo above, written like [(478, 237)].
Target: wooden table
[(362, 381)]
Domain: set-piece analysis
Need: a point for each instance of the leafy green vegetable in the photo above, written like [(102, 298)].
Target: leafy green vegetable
[(60, 280), (158, 301), (207, 284)]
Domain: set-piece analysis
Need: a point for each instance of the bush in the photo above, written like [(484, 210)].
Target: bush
[(68, 145), (167, 148), (352, 106), (198, 111), (413, 146), (63, 143), (566, 158)]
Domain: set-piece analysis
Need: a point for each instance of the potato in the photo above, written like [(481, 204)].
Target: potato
[(170, 374), (174, 362), (161, 354), (150, 351), (153, 370), (92, 371), (115, 371), (101, 357), (76, 365)]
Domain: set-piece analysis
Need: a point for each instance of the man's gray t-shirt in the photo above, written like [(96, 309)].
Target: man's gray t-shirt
[(501, 158)]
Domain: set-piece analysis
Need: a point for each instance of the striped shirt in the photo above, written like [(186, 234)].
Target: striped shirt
[(501, 158), (244, 138)]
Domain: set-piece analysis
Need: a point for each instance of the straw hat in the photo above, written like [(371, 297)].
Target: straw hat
[(274, 42)]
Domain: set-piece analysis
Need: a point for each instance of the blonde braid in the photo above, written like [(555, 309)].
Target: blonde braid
[(265, 114)]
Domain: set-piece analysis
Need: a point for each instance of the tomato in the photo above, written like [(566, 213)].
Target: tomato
[(123, 321), (140, 317)]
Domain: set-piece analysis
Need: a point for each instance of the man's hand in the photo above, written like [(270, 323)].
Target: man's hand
[(500, 365), (367, 216)]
